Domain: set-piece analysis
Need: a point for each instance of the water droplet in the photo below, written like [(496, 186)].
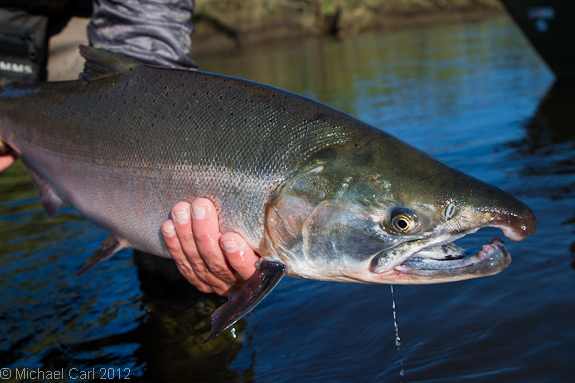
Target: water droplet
[(397, 338), (233, 332)]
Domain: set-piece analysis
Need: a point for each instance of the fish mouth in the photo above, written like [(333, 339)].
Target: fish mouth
[(449, 261)]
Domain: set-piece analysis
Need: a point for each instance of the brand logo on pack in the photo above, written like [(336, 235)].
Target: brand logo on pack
[(6, 66)]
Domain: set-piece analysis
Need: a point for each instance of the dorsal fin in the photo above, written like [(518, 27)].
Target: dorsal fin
[(100, 62)]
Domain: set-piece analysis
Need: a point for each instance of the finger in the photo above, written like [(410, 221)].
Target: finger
[(177, 253), (181, 218), (181, 213), (239, 255), (207, 234), (199, 241), (6, 160)]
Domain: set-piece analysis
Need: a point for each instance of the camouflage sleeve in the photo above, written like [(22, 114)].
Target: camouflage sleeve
[(157, 32)]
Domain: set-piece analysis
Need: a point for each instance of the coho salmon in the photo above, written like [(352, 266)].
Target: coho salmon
[(315, 192)]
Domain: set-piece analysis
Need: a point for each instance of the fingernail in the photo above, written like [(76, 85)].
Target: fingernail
[(169, 231), (199, 212), (182, 216), (230, 246)]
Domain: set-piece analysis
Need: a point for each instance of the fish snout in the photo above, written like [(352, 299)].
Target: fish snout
[(517, 221)]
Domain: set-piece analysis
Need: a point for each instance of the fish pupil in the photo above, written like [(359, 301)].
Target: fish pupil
[(401, 223)]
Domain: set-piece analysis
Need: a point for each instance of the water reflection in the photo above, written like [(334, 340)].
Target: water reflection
[(549, 145), (177, 321), (550, 129)]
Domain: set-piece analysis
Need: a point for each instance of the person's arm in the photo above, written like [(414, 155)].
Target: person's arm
[(154, 32), (211, 261)]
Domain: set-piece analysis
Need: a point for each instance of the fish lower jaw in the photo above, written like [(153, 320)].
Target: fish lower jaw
[(492, 258)]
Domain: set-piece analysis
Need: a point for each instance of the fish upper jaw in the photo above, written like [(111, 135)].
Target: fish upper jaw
[(515, 226)]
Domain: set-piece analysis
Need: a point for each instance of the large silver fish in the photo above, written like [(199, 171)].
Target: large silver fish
[(317, 193)]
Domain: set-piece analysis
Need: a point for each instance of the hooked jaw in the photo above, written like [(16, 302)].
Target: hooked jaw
[(490, 259), (443, 261)]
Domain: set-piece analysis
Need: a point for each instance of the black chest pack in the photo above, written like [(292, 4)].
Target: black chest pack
[(23, 46)]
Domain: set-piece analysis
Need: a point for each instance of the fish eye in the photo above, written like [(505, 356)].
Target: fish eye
[(401, 220), (401, 223)]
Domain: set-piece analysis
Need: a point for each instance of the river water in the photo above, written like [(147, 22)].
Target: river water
[(474, 95)]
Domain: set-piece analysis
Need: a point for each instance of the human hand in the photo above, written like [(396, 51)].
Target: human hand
[(7, 157), (211, 261)]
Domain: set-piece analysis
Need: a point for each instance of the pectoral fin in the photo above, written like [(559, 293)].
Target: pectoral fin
[(266, 277), (108, 247)]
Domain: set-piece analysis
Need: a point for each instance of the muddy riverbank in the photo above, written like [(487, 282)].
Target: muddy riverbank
[(224, 25)]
